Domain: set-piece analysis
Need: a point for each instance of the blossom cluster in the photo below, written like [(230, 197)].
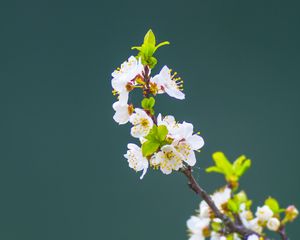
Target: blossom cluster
[(168, 145), (204, 225), (179, 141)]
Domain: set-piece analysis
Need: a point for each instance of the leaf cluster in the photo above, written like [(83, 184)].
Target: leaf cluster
[(148, 48), (148, 104), (231, 171), (156, 138)]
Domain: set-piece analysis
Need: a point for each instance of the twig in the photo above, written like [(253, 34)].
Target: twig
[(230, 225), (282, 233)]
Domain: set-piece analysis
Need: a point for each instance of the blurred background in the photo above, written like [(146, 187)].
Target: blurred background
[(62, 170)]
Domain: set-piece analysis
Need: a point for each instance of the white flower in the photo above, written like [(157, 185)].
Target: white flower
[(204, 209), (186, 142), (245, 215), (168, 121), (264, 213), (253, 237), (221, 197), (216, 236), (273, 224), (166, 83), (196, 226), (168, 159), (123, 112), (142, 123), (255, 226), (135, 159), (123, 78)]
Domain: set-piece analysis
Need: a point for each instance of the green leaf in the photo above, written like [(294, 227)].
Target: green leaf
[(150, 38), (151, 102), (241, 165), (216, 226), (248, 204), (273, 204), (214, 169), (162, 132), (239, 162), (148, 103), (136, 47), (161, 44), (222, 162), (152, 134), (232, 206), (229, 237), (149, 147), (241, 197), (152, 62), (148, 48), (144, 103)]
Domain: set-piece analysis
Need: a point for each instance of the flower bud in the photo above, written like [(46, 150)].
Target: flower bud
[(273, 224), (291, 213)]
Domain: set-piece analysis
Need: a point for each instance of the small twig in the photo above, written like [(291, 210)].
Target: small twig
[(146, 91), (282, 233), (233, 227)]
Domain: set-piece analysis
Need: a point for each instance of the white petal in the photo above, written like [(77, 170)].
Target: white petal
[(191, 159), (137, 131), (175, 93), (123, 97), (146, 164), (253, 237), (196, 142), (121, 115)]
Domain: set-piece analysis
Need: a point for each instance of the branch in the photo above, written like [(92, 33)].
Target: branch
[(230, 225), (147, 92), (282, 233)]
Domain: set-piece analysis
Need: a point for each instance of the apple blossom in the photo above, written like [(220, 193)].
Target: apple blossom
[(135, 159), (169, 145), (124, 78), (167, 83), (142, 123), (264, 213), (123, 112), (273, 224), (168, 159), (197, 227)]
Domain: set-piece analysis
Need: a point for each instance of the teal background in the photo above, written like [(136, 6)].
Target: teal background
[(62, 171)]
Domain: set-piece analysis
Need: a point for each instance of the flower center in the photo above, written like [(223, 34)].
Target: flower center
[(129, 87), (144, 122), (169, 155), (130, 109)]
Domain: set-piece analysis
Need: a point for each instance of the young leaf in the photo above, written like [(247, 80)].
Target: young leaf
[(152, 61), (148, 103), (149, 147), (161, 44), (232, 206), (150, 38), (222, 162), (162, 132), (152, 135), (214, 169), (241, 165), (273, 204), (151, 102)]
